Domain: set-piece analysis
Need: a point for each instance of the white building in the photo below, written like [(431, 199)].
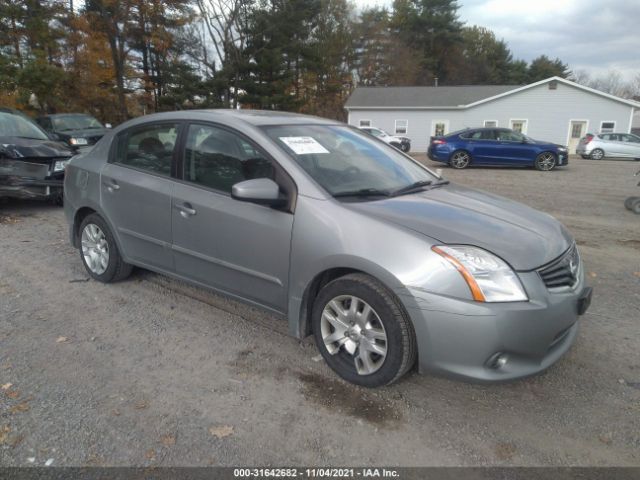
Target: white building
[(554, 110)]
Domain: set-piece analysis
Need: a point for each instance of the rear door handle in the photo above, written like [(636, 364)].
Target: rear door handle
[(111, 185), (186, 210)]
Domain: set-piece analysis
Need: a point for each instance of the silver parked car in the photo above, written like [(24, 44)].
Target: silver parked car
[(350, 240), (616, 145)]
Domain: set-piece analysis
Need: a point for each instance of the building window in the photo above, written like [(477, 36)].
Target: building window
[(401, 127), (553, 85), (490, 123), (519, 126), (607, 127), (439, 127), (365, 123)]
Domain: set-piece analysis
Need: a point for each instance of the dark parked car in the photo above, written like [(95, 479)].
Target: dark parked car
[(75, 129), (496, 146), (383, 260), (31, 164)]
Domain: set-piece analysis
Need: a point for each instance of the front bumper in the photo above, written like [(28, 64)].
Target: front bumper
[(462, 338), (563, 158), (25, 187)]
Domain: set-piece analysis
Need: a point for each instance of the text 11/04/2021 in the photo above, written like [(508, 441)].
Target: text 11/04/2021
[(315, 473)]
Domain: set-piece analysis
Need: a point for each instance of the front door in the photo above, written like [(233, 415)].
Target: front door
[(136, 193), (577, 130), (237, 247)]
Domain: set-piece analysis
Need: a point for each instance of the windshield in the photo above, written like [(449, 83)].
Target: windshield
[(75, 122), (13, 125), (342, 159)]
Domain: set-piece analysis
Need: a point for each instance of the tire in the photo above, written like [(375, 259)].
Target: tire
[(597, 154), (460, 159), (405, 148), (629, 201), (96, 240), (545, 162), (386, 318), (635, 206)]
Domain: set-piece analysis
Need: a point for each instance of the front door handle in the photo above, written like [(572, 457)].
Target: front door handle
[(111, 186), (186, 210)]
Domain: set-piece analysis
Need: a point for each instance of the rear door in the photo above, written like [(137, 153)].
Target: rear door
[(483, 147), (136, 186), (237, 247), (610, 143)]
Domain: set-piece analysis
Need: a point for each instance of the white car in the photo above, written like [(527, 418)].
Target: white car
[(616, 145), (401, 143)]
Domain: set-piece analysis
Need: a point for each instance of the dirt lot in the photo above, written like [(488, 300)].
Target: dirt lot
[(154, 372)]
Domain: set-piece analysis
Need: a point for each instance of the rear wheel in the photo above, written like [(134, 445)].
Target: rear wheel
[(460, 159), (405, 147), (99, 252), (545, 162), (362, 331), (597, 154)]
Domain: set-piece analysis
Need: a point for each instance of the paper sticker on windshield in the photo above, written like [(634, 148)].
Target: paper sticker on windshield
[(303, 145)]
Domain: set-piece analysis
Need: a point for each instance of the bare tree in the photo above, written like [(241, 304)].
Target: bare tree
[(224, 24)]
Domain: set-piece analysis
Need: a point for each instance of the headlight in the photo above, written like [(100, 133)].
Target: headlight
[(60, 165), (489, 278), (78, 141)]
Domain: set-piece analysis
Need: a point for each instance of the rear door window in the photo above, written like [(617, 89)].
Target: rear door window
[(149, 148)]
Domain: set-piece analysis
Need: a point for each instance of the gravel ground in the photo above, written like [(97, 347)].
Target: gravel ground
[(151, 371)]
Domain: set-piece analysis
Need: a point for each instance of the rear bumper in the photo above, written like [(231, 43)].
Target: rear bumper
[(583, 150), (437, 156), (463, 338)]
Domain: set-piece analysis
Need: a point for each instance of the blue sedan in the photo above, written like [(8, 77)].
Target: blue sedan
[(496, 146)]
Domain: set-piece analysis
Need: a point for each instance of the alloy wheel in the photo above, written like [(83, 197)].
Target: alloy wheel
[(460, 159), (546, 161), (351, 325), (95, 249)]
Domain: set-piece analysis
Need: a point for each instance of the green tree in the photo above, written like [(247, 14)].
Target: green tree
[(543, 67)]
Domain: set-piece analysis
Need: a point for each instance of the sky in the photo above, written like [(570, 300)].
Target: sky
[(592, 35)]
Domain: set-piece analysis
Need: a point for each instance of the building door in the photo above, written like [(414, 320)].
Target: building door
[(577, 130)]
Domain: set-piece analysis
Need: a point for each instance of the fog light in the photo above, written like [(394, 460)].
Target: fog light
[(497, 360)]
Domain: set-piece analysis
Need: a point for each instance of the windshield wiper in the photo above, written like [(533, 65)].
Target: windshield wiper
[(363, 192), (411, 188)]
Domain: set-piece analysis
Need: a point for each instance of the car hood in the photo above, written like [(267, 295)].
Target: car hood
[(83, 133), (453, 214), (17, 148), (548, 144)]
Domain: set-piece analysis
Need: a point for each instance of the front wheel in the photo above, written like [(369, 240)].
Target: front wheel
[(545, 161), (362, 331), (460, 159), (99, 252)]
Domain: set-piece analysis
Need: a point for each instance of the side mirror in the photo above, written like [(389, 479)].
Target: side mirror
[(108, 125), (263, 191)]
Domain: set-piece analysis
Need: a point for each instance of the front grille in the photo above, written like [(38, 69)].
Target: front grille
[(562, 272)]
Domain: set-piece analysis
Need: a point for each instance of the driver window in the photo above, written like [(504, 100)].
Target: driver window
[(218, 158)]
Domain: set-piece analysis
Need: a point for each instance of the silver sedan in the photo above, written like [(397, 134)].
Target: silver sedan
[(386, 263), (615, 145)]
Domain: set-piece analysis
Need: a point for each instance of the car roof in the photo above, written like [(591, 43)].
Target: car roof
[(62, 115), (251, 117)]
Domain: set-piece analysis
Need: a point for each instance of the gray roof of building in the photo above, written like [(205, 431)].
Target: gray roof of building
[(416, 97)]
